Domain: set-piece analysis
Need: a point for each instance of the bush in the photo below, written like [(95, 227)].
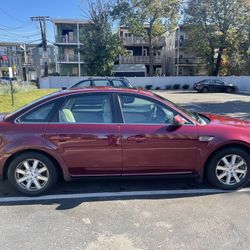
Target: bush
[(176, 86), (18, 87), (148, 87), (157, 88), (168, 87), (185, 86)]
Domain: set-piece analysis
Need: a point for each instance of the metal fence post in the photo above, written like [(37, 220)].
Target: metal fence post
[(12, 93)]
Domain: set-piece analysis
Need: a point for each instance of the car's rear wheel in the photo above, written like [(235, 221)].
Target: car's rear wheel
[(229, 169), (32, 173)]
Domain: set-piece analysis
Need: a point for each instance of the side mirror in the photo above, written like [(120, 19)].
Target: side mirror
[(178, 121), (64, 88)]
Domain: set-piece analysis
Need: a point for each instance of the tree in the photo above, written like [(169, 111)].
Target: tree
[(150, 19), (219, 29), (100, 46)]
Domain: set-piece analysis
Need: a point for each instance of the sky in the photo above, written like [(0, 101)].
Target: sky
[(15, 23)]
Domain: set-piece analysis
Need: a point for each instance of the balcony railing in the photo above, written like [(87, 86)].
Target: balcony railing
[(188, 61), (4, 63), (68, 58), (140, 59), (135, 40), (66, 39)]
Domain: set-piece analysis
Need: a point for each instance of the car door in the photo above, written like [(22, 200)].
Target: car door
[(85, 134), (151, 145), (212, 85), (220, 86)]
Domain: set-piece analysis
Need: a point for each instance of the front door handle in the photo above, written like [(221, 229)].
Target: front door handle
[(137, 138)]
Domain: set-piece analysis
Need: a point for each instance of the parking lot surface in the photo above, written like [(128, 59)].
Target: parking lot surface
[(134, 214)]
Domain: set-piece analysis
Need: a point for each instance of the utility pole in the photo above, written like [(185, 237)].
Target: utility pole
[(42, 22), (26, 61)]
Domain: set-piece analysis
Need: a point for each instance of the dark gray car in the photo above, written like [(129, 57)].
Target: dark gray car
[(214, 85)]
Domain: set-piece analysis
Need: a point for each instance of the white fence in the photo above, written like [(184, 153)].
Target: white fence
[(242, 82)]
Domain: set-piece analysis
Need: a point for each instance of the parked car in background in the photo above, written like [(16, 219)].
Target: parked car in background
[(103, 82), (119, 132), (7, 79), (214, 85)]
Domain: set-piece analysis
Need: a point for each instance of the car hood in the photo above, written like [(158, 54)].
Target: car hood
[(226, 120)]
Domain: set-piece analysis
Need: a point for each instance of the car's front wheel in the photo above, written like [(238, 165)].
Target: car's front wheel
[(229, 169), (32, 173)]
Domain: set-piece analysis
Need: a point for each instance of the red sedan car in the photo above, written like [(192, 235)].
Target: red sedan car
[(119, 132)]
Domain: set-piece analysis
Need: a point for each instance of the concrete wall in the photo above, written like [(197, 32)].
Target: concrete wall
[(242, 82)]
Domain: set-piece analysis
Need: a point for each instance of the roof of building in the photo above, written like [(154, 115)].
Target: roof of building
[(69, 21), (10, 44)]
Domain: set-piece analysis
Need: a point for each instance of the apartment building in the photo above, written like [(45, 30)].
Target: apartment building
[(137, 53), (10, 59), (67, 40), (180, 60), (34, 63)]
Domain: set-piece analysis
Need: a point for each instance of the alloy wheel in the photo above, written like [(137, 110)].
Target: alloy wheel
[(32, 174), (231, 169)]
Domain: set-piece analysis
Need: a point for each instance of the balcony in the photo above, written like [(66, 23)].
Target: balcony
[(140, 41), (140, 60), (68, 58), (188, 61), (66, 39), (4, 63)]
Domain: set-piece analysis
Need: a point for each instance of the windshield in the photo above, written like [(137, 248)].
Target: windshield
[(30, 104), (193, 115)]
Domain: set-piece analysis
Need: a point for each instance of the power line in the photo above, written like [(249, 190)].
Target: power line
[(13, 17)]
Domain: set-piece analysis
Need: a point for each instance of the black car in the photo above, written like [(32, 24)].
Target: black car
[(214, 85), (100, 82)]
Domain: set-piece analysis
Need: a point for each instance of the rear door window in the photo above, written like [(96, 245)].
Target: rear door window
[(100, 83), (87, 108)]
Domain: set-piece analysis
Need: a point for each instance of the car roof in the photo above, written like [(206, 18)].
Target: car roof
[(102, 89)]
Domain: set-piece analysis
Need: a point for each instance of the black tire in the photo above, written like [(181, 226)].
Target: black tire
[(229, 90), (204, 90), (211, 168), (52, 173)]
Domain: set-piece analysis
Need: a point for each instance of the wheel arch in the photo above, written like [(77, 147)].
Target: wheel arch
[(8, 161), (231, 145)]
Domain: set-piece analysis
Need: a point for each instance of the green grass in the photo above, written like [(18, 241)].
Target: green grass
[(20, 99)]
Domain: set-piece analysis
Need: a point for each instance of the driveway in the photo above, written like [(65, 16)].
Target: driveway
[(133, 214), (235, 105)]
